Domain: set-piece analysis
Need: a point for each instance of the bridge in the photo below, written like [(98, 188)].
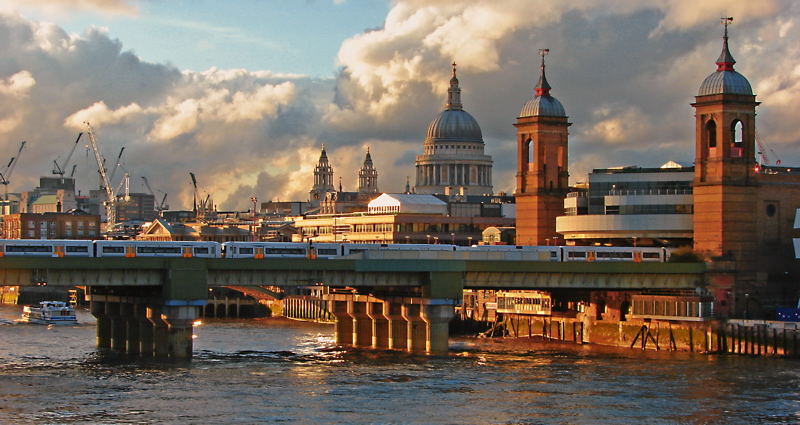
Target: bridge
[(146, 306)]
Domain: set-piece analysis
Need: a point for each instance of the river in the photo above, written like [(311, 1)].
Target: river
[(277, 371)]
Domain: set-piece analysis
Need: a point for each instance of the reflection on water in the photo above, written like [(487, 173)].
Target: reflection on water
[(268, 371)]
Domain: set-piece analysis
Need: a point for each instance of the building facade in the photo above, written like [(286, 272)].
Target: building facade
[(631, 206), (75, 224), (453, 159)]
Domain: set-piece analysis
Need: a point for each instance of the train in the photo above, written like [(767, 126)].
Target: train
[(264, 250)]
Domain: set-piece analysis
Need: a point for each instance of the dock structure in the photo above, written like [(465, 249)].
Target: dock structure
[(146, 306)]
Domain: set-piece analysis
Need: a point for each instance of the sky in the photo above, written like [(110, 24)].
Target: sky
[(243, 93)]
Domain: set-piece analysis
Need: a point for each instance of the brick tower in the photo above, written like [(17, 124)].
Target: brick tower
[(725, 164), (542, 174)]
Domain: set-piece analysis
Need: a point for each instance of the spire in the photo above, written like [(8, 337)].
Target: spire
[(340, 183), (408, 185), (543, 87), (323, 154), (725, 60), (454, 93), (367, 160)]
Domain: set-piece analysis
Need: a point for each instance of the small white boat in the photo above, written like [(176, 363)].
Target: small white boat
[(49, 313)]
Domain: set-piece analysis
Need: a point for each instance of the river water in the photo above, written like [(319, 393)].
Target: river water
[(276, 371)]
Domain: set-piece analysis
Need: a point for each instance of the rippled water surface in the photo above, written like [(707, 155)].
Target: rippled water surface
[(273, 371)]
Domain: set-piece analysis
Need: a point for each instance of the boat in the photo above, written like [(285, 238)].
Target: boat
[(49, 313)]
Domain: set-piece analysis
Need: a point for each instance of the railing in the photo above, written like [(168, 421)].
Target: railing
[(663, 191)]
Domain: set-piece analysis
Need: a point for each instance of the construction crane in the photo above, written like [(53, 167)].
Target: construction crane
[(162, 206), (117, 165), (194, 196), (59, 170), (762, 152), (5, 176), (111, 198)]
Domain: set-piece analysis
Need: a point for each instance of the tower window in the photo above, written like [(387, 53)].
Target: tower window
[(529, 148), (711, 134), (771, 210), (737, 147)]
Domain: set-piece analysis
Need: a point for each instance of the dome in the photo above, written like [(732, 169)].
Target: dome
[(725, 80), (545, 106), (454, 124), (728, 82)]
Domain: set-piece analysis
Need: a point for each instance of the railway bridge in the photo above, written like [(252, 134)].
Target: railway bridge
[(146, 306)]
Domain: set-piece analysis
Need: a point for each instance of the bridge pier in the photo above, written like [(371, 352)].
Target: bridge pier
[(180, 320), (380, 325), (343, 327), (410, 323), (160, 332), (103, 325), (362, 323), (398, 331)]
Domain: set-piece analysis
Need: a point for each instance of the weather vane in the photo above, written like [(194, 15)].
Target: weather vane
[(726, 21), (454, 68), (543, 53)]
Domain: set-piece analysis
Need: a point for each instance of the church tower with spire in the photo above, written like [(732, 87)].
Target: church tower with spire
[(368, 176), (323, 179), (542, 172), (725, 180)]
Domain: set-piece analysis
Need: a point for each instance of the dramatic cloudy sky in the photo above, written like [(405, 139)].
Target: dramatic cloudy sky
[(243, 93)]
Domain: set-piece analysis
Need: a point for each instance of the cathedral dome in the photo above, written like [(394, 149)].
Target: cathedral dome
[(454, 124), (725, 80)]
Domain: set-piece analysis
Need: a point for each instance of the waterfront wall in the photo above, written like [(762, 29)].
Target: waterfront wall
[(748, 337)]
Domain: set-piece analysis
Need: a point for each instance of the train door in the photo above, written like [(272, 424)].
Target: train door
[(258, 253), (130, 251), (590, 256), (58, 251), (186, 252), (637, 257)]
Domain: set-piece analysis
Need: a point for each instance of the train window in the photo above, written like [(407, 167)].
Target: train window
[(158, 250), (327, 251), (245, 250), (29, 248), (651, 255), (77, 248), (290, 251), (201, 250), (113, 250), (573, 254)]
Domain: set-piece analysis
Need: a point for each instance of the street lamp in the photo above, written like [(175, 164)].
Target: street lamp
[(453, 238), (429, 238), (436, 240), (547, 241), (469, 240), (634, 241), (407, 238)]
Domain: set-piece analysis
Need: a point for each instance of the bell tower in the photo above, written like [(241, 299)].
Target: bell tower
[(725, 178), (323, 179), (368, 176), (542, 168)]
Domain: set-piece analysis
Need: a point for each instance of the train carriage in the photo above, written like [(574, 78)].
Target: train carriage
[(131, 249), (46, 248)]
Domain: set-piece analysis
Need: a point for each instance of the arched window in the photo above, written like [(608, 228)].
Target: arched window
[(711, 134), (529, 147), (737, 147)]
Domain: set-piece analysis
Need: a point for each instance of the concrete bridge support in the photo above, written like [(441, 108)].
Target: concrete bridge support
[(398, 331), (132, 326), (409, 324)]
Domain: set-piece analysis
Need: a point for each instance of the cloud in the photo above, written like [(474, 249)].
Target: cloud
[(626, 72), (18, 84), (59, 7)]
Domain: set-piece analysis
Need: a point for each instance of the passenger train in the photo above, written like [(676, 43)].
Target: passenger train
[(262, 250)]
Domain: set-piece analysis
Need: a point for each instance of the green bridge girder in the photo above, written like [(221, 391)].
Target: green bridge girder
[(189, 278)]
